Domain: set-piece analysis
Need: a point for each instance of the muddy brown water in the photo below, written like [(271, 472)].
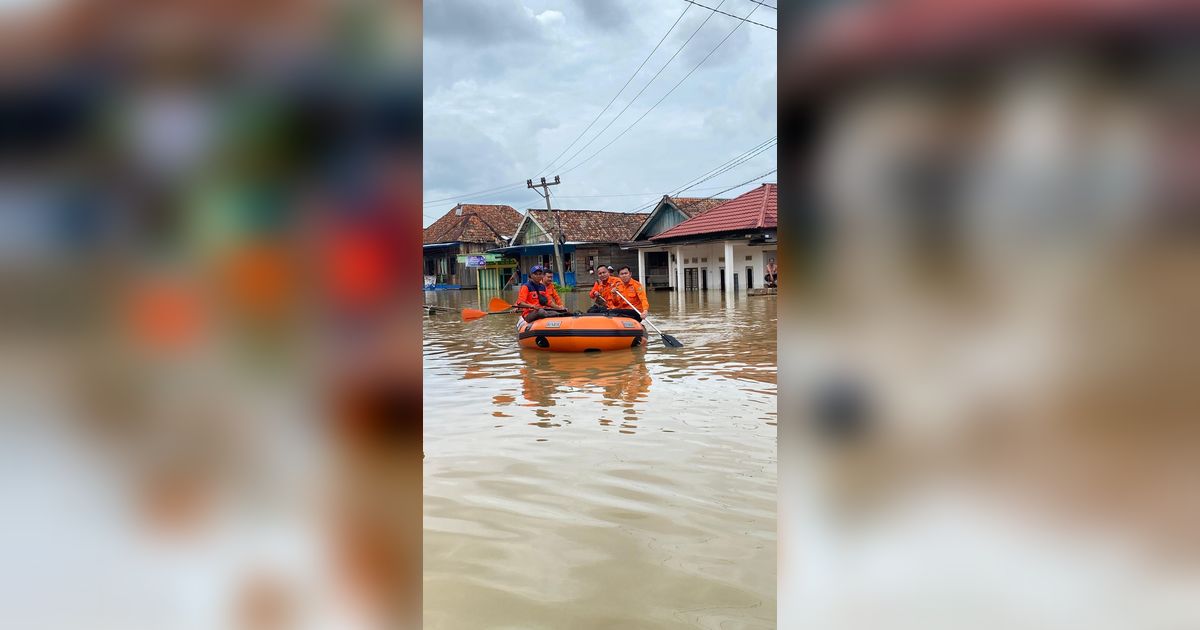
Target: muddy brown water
[(622, 489)]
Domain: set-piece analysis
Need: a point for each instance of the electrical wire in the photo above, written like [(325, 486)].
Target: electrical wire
[(734, 16), (635, 96), (664, 97), (474, 194), (545, 168)]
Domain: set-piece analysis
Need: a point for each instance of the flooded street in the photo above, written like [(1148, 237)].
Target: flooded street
[(622, 489)]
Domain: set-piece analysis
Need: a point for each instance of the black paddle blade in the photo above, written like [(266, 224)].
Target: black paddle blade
[(671, 341)]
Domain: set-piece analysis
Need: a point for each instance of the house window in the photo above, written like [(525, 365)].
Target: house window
[(749, 258), (567, 262), (721, 259), (453, 263), (703, 260), (429, 271)]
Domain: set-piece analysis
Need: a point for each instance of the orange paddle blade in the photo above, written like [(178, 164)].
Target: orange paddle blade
[(498, 304), (472, 313)]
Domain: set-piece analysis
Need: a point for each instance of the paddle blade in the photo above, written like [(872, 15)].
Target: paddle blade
[(498, 304), (671, 341), (469, 314)]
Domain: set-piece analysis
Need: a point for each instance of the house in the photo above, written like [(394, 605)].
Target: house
[(723, 246), (455, 246), (589, 238), (653, 260)]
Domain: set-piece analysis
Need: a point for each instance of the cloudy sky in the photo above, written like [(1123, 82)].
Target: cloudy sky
[(509, 84)]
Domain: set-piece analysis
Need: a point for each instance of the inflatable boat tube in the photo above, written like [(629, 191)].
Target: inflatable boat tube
[(589, 332)]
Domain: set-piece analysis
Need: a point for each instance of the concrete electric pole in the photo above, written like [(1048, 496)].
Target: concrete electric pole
[(557, 236)]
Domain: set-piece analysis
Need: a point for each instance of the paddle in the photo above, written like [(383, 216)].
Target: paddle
[(666, 339), (498, 303), (469, 314), (495, 307)]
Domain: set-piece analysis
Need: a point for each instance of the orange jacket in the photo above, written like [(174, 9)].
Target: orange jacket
[(634, 292), (605, 290), (529, 294)]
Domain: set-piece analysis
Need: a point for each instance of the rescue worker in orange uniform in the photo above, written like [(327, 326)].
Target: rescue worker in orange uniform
[(634, 292), (601, 292), (538, 297)]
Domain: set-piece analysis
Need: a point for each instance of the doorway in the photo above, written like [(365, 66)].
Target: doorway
[(722, 272), (704, 279), (749, 277), (689, 278)]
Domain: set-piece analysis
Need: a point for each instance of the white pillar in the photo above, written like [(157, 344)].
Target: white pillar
[(729, 267), (679, 267), (670, 270), (642, 266)]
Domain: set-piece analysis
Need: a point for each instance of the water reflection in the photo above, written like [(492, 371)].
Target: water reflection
[(619, 376)]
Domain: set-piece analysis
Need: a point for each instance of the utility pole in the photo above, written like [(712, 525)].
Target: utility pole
[(557, 236)]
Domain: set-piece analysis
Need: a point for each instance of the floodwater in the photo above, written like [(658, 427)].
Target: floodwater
[(621, 489)]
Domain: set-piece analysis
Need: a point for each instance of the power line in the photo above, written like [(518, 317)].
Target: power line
[(635, 96), (614, 98), (724, 167), (645, 194), (738, 161), (664, 97), (734, 16), (764, 5), (749, 181), (474, 194)]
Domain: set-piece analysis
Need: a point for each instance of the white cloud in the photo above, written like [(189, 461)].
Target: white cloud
[(547, 18)]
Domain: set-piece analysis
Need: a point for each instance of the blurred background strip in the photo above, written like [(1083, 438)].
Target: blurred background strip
[(988, 404), (211, 407)]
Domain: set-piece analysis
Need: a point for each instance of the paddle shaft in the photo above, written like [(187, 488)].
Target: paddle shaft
[(644, 320)]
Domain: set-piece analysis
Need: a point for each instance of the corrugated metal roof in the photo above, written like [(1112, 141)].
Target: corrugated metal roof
[(756, 209)]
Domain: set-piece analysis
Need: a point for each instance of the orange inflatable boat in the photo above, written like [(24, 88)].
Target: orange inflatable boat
[(588, 332)]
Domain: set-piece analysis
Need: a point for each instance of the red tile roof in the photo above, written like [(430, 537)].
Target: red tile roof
[(473, 223), (757, 209), (596, 226)]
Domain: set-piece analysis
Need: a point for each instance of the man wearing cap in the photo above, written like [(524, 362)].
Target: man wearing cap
[(601, 292), (538, 298)]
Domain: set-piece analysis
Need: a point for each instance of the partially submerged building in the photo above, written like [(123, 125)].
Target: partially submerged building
[(723, 246), (653, 260), (589, 238), (455, 246)]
